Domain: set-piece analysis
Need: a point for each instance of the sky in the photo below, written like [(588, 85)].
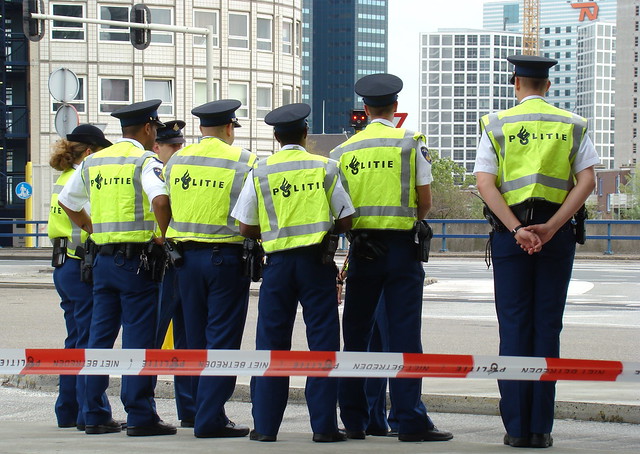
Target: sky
[(409, 18)]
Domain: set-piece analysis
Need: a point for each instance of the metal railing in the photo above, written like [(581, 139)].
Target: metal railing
[(443, 235)]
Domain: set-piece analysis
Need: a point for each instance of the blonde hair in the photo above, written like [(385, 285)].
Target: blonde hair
[(66, 153)]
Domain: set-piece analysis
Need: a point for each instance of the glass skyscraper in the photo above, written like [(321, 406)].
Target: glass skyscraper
[(343, 41)]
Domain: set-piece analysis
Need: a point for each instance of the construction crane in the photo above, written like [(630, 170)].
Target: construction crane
[(531, 27)]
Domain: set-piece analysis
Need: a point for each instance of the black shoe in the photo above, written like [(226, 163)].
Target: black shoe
[(377, 432), (230, 430), (516, 442), (187, 423), (330, 438), (356, 434), (159, 428), (432, 434), (541, 440), (109, 427), (256, 436), (81, 427)]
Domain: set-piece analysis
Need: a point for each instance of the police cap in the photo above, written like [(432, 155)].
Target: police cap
[(139, 113), (218, 113), (171, 132), (89, 134), (379, 90), (291, 117), (530, 66)]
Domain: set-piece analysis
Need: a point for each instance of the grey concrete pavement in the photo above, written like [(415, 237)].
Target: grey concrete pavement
[(33, 319)]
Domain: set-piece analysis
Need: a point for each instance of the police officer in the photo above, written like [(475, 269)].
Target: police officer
[(75, 295), (387, 172), (169, 140), (204, 181), (534, 169), (123, 182), (290, 201)]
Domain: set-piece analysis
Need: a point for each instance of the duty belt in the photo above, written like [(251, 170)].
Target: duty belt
[(530, 208), (129, 250), (193, 245)]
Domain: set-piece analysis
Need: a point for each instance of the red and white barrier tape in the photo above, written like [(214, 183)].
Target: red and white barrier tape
[(312, 364)]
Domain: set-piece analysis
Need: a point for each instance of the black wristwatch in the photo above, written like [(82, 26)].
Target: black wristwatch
[(515, 229)]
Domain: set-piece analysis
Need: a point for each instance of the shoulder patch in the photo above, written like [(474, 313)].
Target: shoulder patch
[(426, 154), (158, 173)]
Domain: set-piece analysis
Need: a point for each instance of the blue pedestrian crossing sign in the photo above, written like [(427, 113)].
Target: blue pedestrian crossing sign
[(24, 190)]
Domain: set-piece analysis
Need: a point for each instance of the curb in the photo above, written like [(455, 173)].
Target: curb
[(438, 403)]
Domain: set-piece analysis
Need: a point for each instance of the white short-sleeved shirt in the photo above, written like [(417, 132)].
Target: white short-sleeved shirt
[(246, 208), (423, 166), (487, 160), (74, 194)]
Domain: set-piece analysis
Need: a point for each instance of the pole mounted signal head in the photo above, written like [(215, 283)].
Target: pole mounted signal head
[(140, 37), (358, 119), (33, 28)]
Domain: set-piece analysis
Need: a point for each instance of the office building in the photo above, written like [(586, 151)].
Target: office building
[(627, 70), (256, 58), (464, 75)]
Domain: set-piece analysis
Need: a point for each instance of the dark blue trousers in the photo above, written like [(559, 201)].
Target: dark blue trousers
[(171, 309), (122, 297), (531, 292), (76, 301), (399, 275), (289, 277), (215, 297)]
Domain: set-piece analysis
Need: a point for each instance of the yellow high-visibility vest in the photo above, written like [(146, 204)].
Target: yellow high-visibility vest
[(59, 224), (536, 145), (204, 181), (379, 172), (120, 211), (294, 190)]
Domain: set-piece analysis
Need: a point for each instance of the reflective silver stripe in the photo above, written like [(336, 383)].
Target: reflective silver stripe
[(137, 187), (382, 142), (76, 237), (306, 229), (551, 182), (332, 170), (207, 229), (408, 144), (261, 172), (109, 227), (57, 188), (264, 170), (110, 160), (206, 161), (385, 211)]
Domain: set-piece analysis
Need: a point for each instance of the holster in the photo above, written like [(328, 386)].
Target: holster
[(87, 254), (174, 253), (365, 246), (493, 220), (423, 234), (253, 257), (328, 247), (59, 255), (157, 260), (579, 224)]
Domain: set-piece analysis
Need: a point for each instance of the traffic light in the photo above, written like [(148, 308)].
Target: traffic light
[(33, 28), (358, 119), (140, 37)]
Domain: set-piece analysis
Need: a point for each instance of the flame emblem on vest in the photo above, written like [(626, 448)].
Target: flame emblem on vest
[(285, 187), (523, 135), (98, 181), (354, 165), (186, 179)]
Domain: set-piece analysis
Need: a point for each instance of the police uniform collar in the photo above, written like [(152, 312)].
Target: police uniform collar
[(527, 98), (384, 121), (133, 141), (293, 146)]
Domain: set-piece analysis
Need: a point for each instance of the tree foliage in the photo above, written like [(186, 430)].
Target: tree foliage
[(452, 191), (632, 189)]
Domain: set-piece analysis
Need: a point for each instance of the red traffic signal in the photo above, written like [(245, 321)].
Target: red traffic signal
[(358, 119)]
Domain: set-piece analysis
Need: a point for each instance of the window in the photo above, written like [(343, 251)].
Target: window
[(200, 93), (79, 102), (160, 89), (67, 30), (163, 16), (240, 91), (114, 93), (264, 33), (264, 103), (298, 38), (239, 30), (112, 32), (287, 38), (287, 95), (203, 19)]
